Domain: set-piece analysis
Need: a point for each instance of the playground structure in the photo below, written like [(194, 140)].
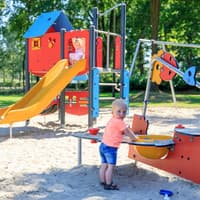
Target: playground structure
[(180, 158), (177, 154), (164, 67), (52, 38)]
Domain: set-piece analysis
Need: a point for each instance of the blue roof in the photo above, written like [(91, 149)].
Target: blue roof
[(57, 19)]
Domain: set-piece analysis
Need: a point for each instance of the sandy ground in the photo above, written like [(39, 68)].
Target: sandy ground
[(40, 162)]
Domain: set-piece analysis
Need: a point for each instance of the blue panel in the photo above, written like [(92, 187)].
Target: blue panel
[(83, 77), (190, 76), (41, 25), (95, 98), (126, 87), (63, 22)]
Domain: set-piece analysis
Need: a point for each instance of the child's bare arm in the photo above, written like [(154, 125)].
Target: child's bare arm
[(128, 132)]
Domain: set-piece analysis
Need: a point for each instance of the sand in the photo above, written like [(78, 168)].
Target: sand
[(40, 162)]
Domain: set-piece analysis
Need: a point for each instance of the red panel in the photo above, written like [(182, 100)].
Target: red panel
[(72, 52), (139, 124), (51, 49), (70, 47), (183, 160), (51, 29), (34, 56), (77, 102), (99, 51), (41, 59), (118, 52), (165, 73)]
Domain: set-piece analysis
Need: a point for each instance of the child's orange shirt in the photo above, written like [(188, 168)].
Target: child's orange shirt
[(113, 133)]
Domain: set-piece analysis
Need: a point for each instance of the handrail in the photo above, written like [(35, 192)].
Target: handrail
[(109, 10), (170, 43), (107, 32)]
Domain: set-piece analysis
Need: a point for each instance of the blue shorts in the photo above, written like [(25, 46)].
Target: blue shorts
[(108, 154)]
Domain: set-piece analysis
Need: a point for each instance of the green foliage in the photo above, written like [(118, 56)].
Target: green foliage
[(178, 22), (138, 81)]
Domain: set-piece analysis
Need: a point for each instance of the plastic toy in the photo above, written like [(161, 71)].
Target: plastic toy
[(93, 131), (166, 194)]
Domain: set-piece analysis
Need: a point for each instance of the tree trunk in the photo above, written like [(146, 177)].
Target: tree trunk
[(155, 13)]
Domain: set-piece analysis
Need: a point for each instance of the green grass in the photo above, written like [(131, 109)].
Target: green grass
[(162, 99), (165, 99), (6, 100), (159, 98)]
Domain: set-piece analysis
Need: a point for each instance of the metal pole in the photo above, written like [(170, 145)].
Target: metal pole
[(109, 10), (62, 95), (172, 91), (170, 82), (174, 69), (134, 58), (92, 59), (123, 45), (170, 43), (107, 51), (107, 33), (95, 17), (27, 74), (79, 151), (11, 134), (92, 64), (148, 87)]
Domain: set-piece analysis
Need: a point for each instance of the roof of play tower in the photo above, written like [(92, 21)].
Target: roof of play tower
[(55, 19)]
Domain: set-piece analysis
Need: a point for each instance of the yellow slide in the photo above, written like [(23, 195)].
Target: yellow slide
[(41, 94)]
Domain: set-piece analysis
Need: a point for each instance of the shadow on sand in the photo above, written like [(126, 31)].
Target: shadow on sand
[(81, 183)]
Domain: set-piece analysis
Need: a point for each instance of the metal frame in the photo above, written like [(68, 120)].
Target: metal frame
[(163, 43), (62, 95), (183, 159), (93, 35), (171, 67)]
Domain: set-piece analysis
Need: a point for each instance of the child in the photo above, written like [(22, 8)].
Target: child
[(112, 137)]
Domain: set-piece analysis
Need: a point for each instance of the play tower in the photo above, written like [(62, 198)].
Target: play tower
[(52, 37)]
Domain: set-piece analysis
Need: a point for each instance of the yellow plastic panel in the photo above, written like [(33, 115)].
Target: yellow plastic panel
[(41, 95)]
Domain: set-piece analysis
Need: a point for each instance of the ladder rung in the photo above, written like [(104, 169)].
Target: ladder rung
[(107, 98), (108, 70), (108, 84)]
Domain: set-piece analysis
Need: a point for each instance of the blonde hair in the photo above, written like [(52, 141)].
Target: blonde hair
[(118, 103)]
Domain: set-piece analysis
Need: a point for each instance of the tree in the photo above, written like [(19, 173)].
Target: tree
[(155, 14), (176, 21)]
